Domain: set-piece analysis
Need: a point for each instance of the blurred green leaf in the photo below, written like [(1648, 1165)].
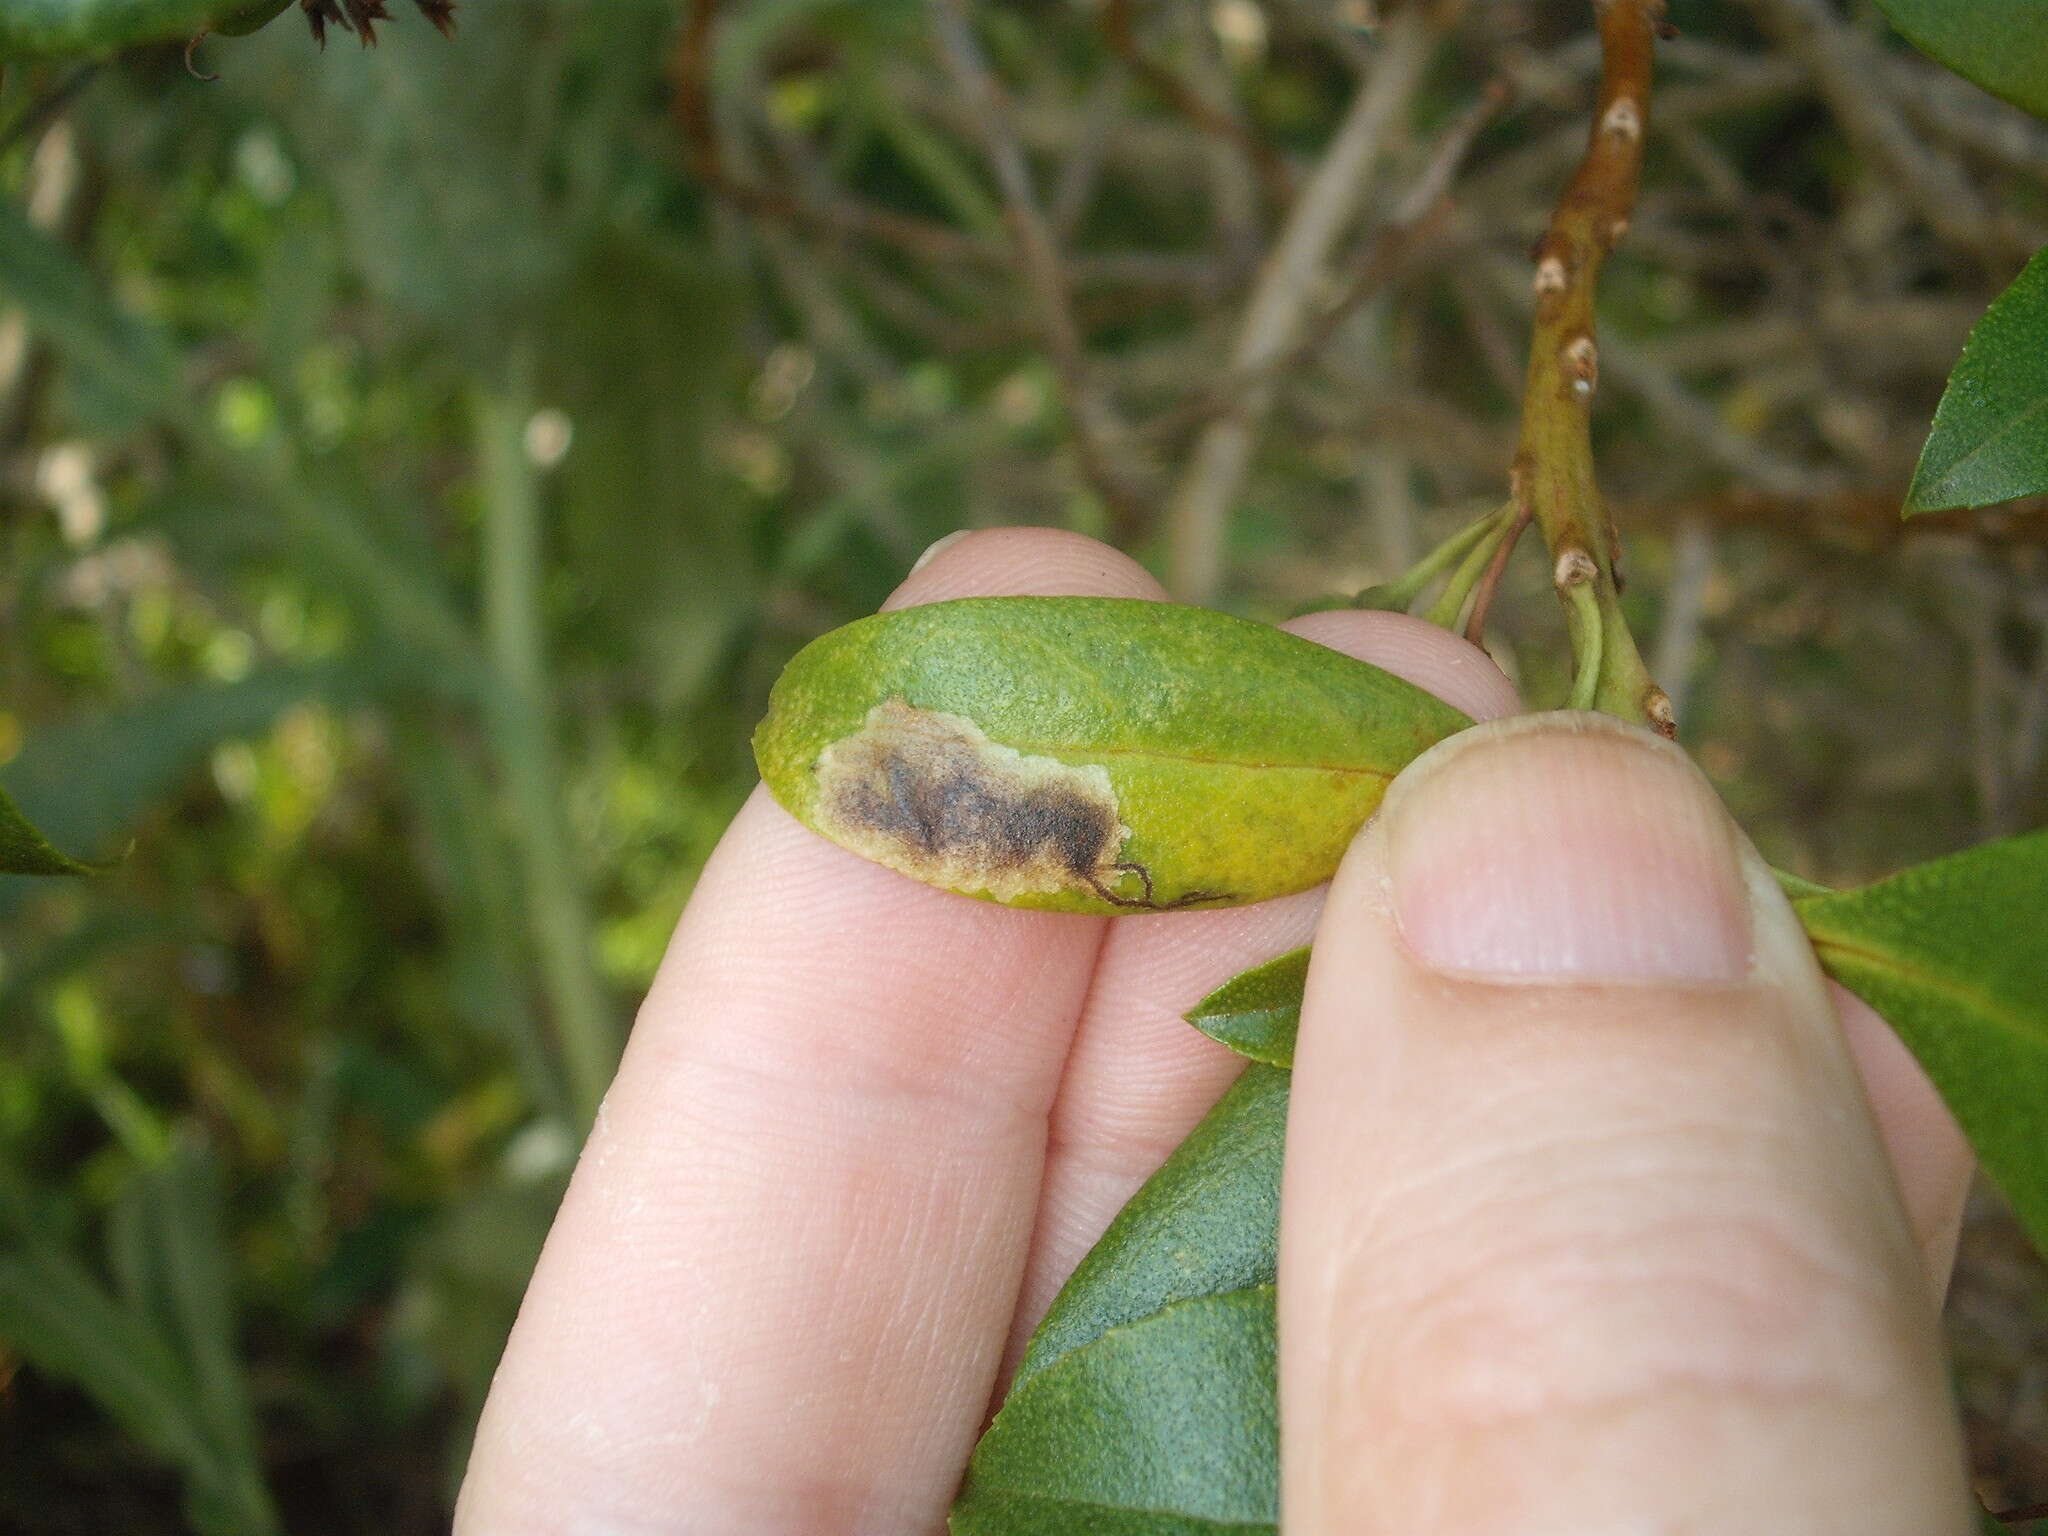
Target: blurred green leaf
[(25, 851), (1144, 1404), (90, 778), (160, 1358), (1990, 437), (1257, 1012), (68, 306), (1090, 754), (639, 358), (53, 28), (461, 204), (2001, 45)]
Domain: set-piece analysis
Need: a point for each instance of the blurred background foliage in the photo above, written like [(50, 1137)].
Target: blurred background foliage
[(416, 463)]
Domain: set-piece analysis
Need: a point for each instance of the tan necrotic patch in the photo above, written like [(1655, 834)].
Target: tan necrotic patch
[(928, 793)]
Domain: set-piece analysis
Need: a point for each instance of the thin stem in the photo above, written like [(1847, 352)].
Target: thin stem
[(1489, 581), (1553, 475), (1582, 616), (1477, 560), (1095, 427), (1411, 583), (523, 728), (1197, 520), (1119, 27)]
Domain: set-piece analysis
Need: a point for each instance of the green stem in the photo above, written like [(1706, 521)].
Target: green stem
[(1582, 618), (523, 732), (1553, 475), (1476, 557), (1410, 584)]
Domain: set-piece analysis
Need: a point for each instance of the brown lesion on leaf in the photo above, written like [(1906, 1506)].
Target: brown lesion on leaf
[(928, 793)]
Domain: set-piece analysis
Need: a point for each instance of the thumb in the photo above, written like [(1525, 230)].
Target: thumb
[(1586, 1227)]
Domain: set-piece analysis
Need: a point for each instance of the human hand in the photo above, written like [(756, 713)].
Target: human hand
[(1588, 1226)]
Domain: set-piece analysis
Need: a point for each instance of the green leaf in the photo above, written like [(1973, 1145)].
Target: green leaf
[(1090, 754), (25, 851), (1953, 955), (55, 28), (1257, 1012), (1166, 1427), (1144, 1405), (1207, 1222), (1990, 436), (2001, 45)]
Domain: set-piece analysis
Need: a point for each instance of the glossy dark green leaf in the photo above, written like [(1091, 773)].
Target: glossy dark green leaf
[(1257, 1012), (1990, 437), (1090, 754), (1954, 955), (2001, 45), (25, 851), (1144, 1403), (1206, 1223)]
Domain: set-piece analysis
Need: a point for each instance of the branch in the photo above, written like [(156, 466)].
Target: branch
[(1272, 316), (1852, 79), (1095, 426), (1382, 257), (1120, 28), (1553, 473), (696, 116)]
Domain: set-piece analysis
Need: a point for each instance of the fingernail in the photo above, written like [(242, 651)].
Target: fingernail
[(1567, 848), (932, 550)]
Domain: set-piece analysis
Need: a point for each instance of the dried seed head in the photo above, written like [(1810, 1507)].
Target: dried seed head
[(1550, 275), (1574, 569), (1624, 120)]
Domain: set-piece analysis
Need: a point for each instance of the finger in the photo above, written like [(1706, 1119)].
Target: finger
[(1586, 1226), (1930, 1156), (1139, 1076), (775, 1296)]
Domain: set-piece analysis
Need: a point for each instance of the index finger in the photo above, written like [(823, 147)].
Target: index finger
[(776, 1294)]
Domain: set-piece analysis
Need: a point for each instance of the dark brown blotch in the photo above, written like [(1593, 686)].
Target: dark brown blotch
[(930, 794)]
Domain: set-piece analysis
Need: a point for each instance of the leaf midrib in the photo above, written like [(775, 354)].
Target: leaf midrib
[(1935, 981), (1065, 754), (2011, 424)]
